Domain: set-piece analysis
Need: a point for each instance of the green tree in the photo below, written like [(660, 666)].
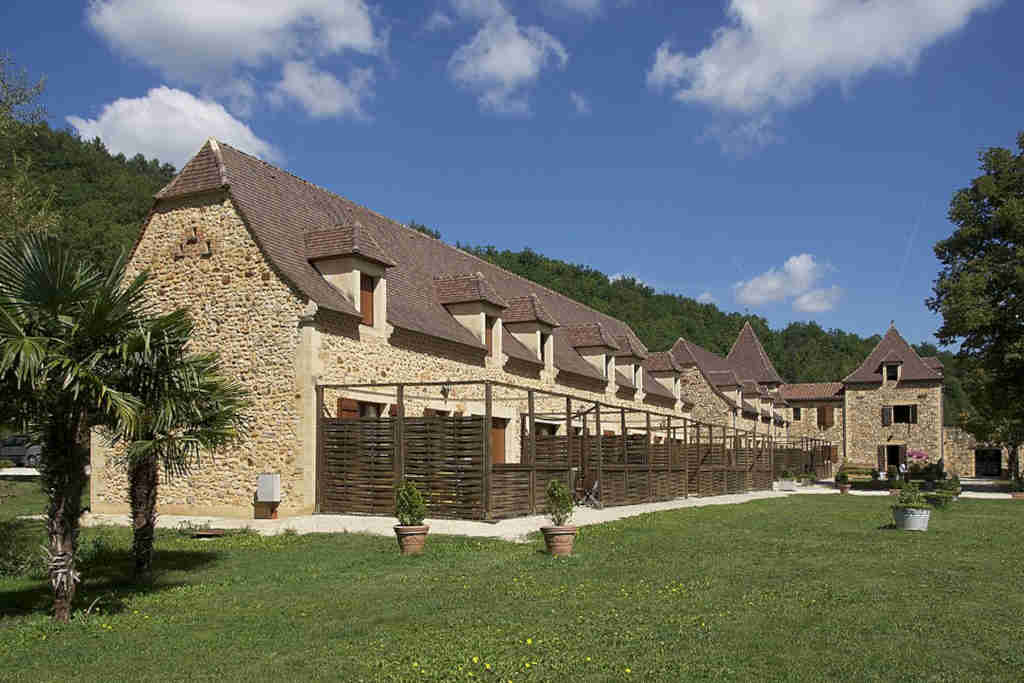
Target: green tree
[(436, 234), (980, 291), (188, 407), (18, 99), (63, 330)]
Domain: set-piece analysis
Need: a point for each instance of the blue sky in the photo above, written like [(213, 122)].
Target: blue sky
[(791, 159)]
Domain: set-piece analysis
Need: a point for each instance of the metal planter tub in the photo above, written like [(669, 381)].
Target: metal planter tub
[(787, 485), (911, 519)]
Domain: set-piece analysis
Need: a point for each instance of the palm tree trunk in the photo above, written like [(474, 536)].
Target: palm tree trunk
[(143, 479), (63, 475)]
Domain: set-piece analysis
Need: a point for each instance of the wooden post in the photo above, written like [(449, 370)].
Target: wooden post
[(600, 451), (321, 461), (485, 473), (650, 461), (532, 455), (686, 456), (400, 437), (625, 453), (568, 445)]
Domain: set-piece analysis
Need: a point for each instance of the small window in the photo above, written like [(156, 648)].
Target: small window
[(892, 373), (638, 377), (904, 414), (366, 285), (543, 344), (489, 334), (607, 367), (796, 414)]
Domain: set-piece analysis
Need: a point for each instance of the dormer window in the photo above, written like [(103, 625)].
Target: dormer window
[(349, 258), (545, 347), (472, 301), (607, 366), (366, 287), (489, 334), (638, 377), (892, 372)]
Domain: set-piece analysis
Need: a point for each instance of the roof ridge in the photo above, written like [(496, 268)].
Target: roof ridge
[(417, 232)]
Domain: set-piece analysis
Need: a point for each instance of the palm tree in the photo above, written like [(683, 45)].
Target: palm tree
[(188, 408), (64, 328)]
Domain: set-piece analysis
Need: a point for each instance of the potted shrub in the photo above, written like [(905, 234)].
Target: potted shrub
[(875, 474), (950, 486), (911, 512), (808, 478), (410, 511), (1017, 488), (843, 482), (559, 537), (786, 481)]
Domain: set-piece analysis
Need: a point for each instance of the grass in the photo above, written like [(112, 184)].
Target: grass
[(803, 588)]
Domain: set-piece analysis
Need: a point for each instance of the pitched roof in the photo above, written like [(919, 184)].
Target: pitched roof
[(661, 361), (749, 408), (934, 363), (686, 353), (892, 348), (812, 391), (752, 389), (345, 240), (466, 288), (654, 387), (622, 381), (581, 335), (630, 347), (280, 209), (749, 360), (525, 309)]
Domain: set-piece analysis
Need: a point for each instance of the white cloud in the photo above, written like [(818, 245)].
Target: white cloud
[(587, 7), (502, 59), (438, 21), (170, 125), (774, 55), (321, 93), (217, 44), (797, 276), (818, 300), (706, 298), (580, 103)]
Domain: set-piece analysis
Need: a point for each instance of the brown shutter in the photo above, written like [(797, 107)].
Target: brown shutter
[(489, 334), (882, 464), (913, 414), (821, 416), (366, 299), (903, 455), (348, 409), (886, 416), (393, 410), (498, 440), (830, 417)]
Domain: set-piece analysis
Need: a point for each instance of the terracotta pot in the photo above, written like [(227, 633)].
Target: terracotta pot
[(559, 539), (844, 488), (1017, 495), (411, 538)]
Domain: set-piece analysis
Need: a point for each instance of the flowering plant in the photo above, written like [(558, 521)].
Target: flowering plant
[(917, 457)]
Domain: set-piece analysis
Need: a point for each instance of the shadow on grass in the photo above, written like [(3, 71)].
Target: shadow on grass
[(108, 575)]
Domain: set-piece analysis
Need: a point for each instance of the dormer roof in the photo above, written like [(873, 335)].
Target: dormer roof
[(630, 347), (582, 335), (528, 309), (345, 240), (466, 288), (723, 378), (661, 361), (893, 348)]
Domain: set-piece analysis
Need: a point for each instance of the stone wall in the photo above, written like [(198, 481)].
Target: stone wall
[(201, 255), (707, 405), (807, 425), (959, 447), (864, 430)]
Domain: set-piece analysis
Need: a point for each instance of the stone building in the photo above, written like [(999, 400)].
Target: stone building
[(816, 411), (968, 457), (297, 288)]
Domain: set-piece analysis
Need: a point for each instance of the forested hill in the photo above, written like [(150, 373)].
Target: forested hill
[(801, 352), (93, 200)]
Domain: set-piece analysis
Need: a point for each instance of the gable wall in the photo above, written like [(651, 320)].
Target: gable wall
[(864, 430)]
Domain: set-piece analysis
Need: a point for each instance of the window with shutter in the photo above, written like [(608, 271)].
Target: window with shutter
[(913, 414), (886, 416), (366, 299), (489, 334), (796, 414), (881, 461)]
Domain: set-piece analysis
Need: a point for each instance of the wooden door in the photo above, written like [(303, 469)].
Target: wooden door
[(498, 426), (348, 409)]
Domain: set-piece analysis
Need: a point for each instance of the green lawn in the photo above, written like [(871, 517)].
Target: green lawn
[(804, 588)]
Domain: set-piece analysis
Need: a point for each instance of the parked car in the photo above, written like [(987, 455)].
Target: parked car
[(20, 451)]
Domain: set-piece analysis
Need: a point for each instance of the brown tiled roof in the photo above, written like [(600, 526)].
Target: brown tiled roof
[(661, 361), (686, 353), (934, 363), (892, 346), (630, 347), (812, 391), (526, 309), (749, 408), (752, 389), (203, 173), (622, 381), (723, 378), (280, 209), (466, 288), (581, 335), (567, 360), (345, 240), (748, 358)]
